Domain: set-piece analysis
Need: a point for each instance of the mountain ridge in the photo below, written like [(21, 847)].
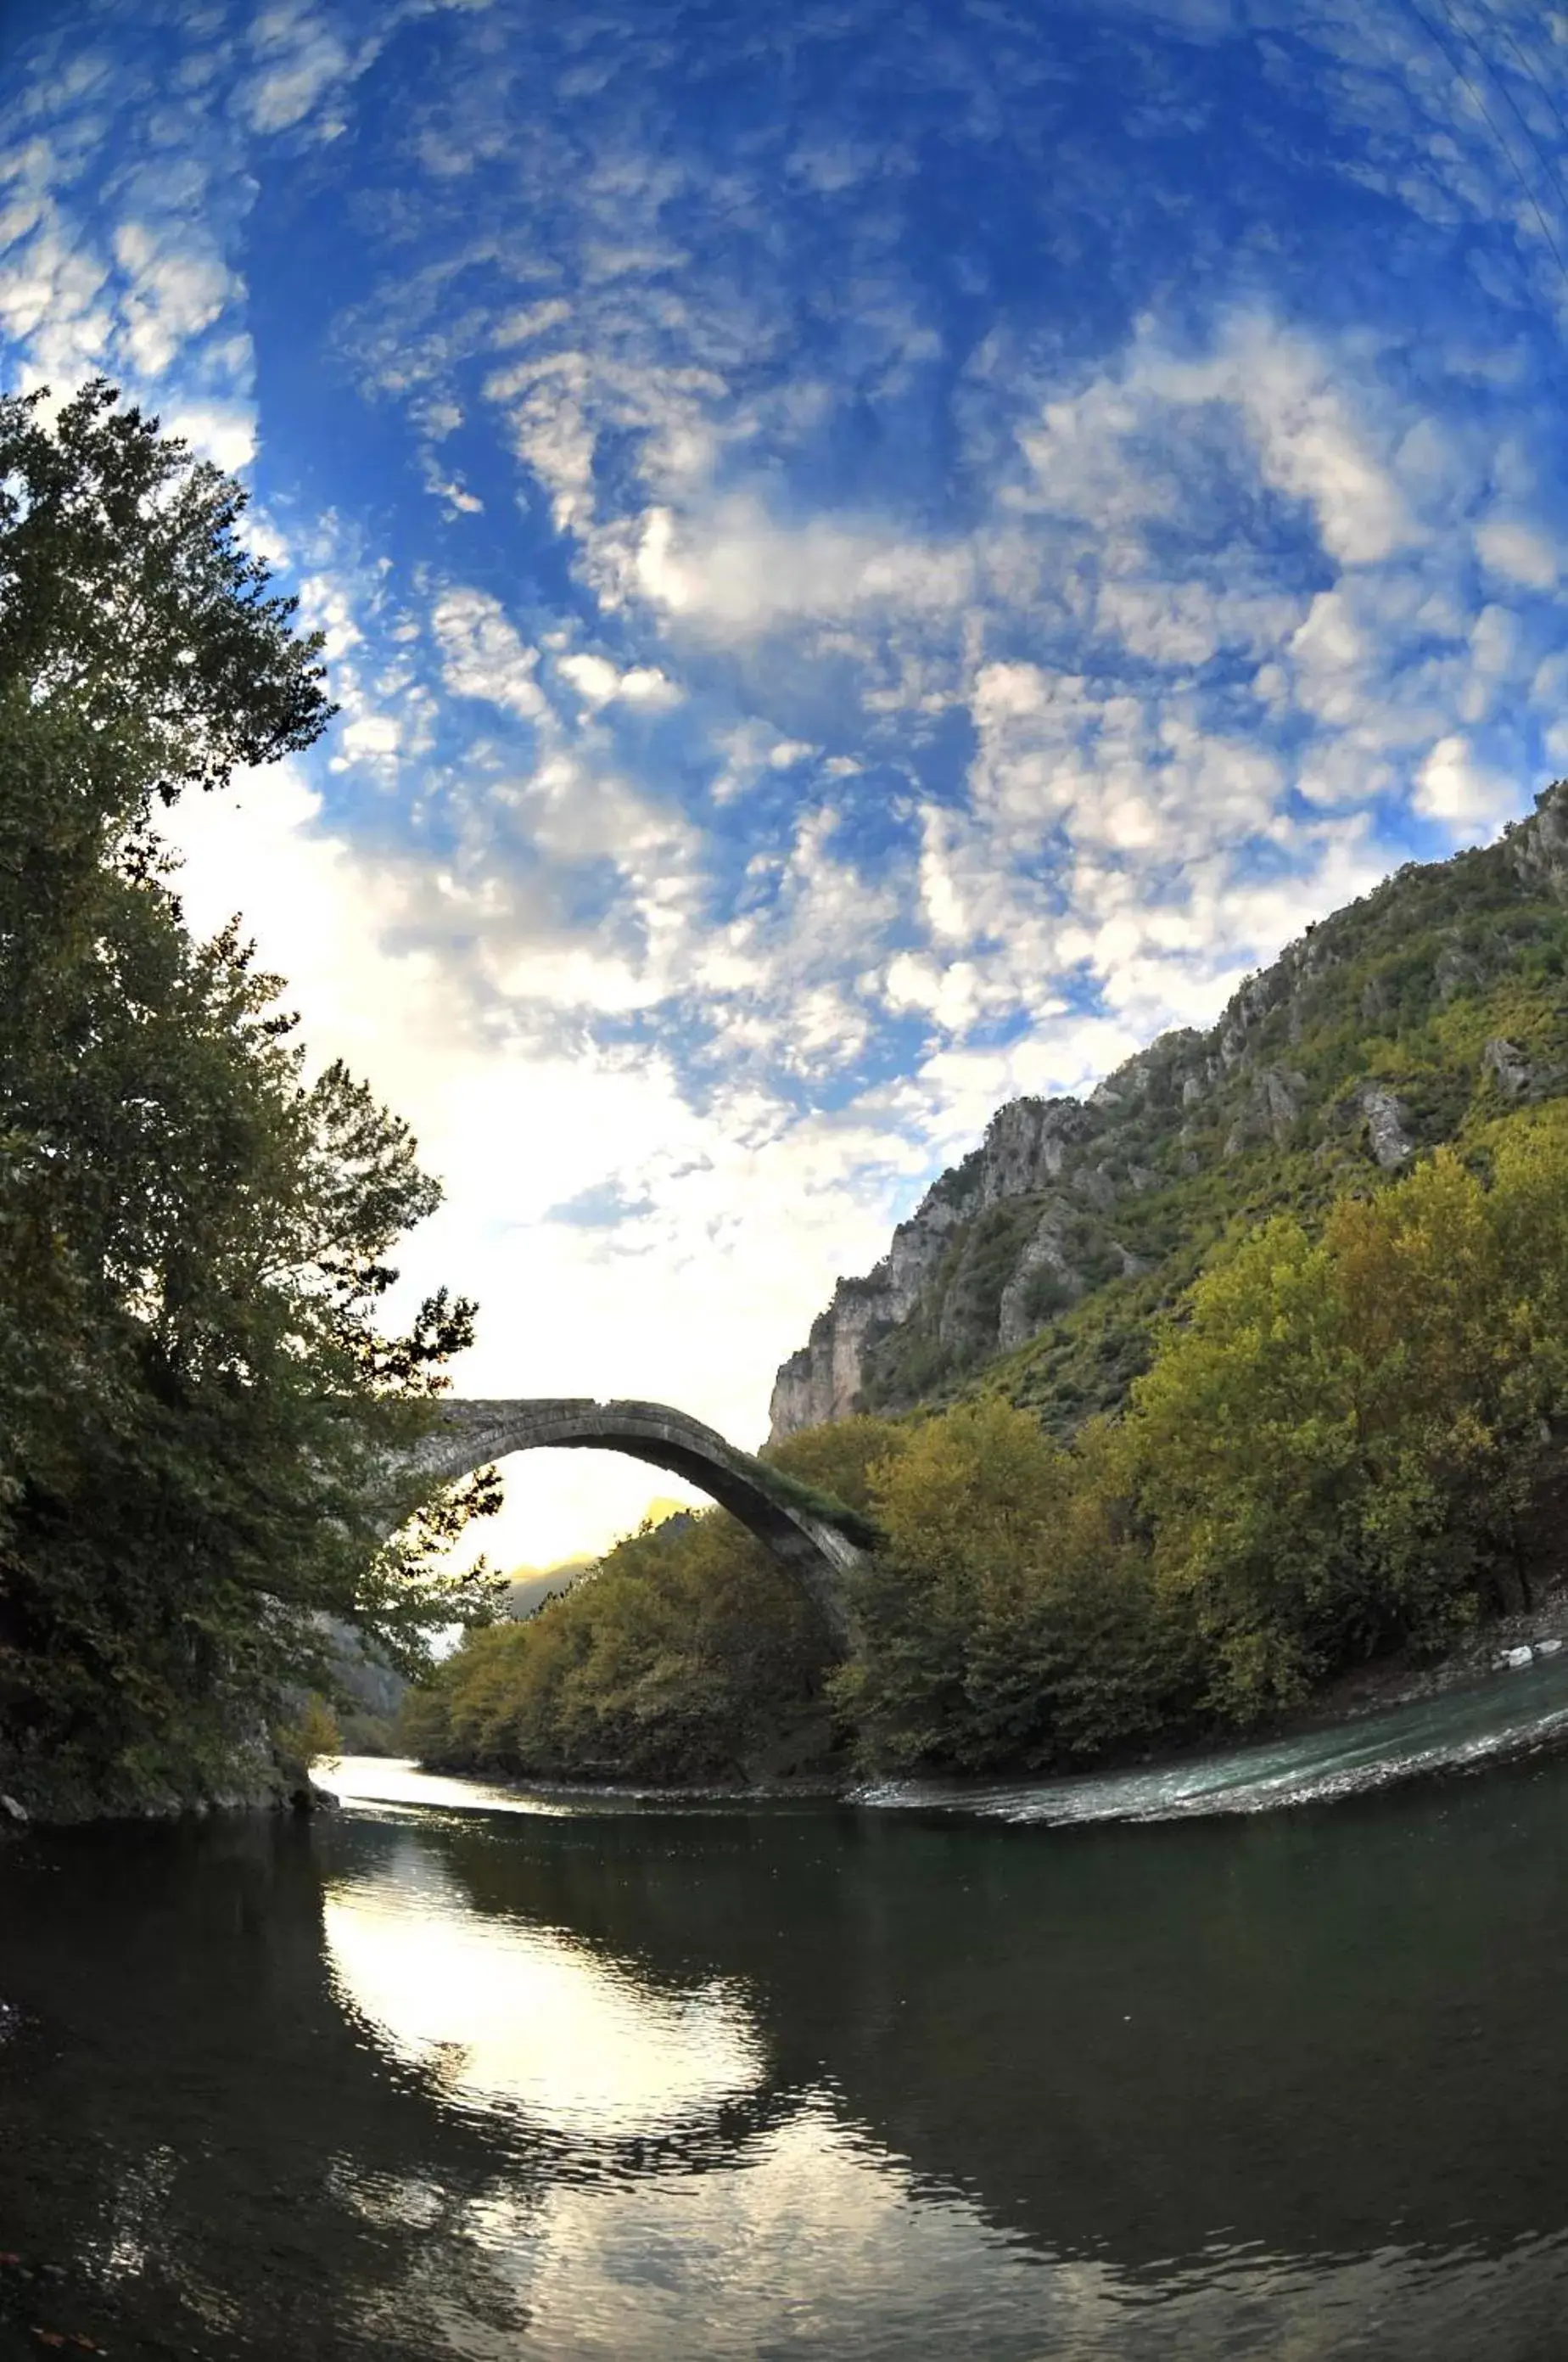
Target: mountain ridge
[(1373, 1036)]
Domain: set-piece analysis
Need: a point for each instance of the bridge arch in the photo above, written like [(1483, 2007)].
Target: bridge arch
[(814, 1550)]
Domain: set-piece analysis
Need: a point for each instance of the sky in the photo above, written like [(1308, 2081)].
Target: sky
[(874, 554)]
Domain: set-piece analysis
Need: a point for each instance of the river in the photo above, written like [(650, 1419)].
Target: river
[(1129, 2068)]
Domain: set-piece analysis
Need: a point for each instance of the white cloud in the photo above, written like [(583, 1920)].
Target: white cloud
[(1314, 445), (1111, 769), (368, 737), (483, 656), (226, 435), (54, 305), (176, 287), (1188, 624), (594, 680), (1518, 552), (646, 685), (298, 60), (598, 682), (1309, 421), (1454, 788), (953, 995), (736, 570), (553, 430), (1332, 657)]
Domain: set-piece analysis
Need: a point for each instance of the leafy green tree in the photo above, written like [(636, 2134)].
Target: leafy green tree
[(1243, 1443), (196, 1402), (1529, 1156), (1336, 1448), (1010, 1619), (312, 1735), (686, 1654), (837, 1458)]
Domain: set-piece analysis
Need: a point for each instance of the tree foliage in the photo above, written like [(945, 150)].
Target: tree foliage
[(1342, 1446), (684, 1655), (1012, 1618), (196, 1402), (1335, 1450), (839, 1459)]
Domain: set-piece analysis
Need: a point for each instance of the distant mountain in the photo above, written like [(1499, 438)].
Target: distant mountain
[(529, 1587), (1037, 1265)]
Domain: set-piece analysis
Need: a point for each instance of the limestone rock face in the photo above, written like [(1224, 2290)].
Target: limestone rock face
[(1538, 847), (1034, 1218), (822, 1381), (1043, 1274), (1025, 1145), (1507, 1064), (1386, 1134), (1272, 1106), (1017, 1229)]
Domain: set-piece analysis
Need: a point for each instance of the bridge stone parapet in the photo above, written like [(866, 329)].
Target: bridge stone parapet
[(812, 1547)]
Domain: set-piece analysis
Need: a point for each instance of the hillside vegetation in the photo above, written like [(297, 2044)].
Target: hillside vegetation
[(1327, 1421), (1435, 1002), (1440, 1000)]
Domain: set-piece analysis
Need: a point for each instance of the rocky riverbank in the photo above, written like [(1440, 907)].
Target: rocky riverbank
[(282, 1787)]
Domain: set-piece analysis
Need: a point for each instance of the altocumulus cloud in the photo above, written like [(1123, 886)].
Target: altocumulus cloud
[(872, 557)]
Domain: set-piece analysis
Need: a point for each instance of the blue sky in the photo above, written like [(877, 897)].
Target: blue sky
[(874, 556)]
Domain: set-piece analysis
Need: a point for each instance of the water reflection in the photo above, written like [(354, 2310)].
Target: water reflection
[(395, 1784), (509, 2012), (422, 2081), (821, 2248), (188, 2114)]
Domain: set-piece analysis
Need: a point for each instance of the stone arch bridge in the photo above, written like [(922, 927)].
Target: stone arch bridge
[(813, 1545)]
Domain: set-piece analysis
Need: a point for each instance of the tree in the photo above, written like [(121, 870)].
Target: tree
[(683, 1654), (1337, 1442), (1241, 1444), (838, 1458), (1010, 1619), (197, 1407), (313, 1736)]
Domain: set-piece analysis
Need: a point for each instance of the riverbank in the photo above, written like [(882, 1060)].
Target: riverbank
[(279, 1789), (1403, 1678), (1343, 1717), (802, 1762)]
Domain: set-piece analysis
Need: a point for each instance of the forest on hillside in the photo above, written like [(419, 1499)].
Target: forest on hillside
[(1348, 1441)]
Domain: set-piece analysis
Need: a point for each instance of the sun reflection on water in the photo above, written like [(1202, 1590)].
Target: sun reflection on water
[(510, 2014), (666, 2190)]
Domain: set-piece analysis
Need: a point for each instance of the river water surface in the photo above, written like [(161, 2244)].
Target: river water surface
[(1126, 2068)]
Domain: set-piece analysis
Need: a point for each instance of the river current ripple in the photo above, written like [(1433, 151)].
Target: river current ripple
[(1505, 1715)]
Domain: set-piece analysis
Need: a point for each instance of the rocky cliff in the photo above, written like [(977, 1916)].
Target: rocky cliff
[(1375, 1035)]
